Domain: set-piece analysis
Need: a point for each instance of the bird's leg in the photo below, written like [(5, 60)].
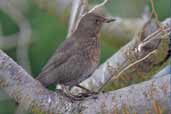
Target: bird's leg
[(70, 95), (89, 92)]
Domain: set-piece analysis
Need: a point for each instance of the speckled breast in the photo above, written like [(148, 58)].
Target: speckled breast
[(92, 50)]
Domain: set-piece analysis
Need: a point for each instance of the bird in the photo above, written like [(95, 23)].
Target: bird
[(78, 56)]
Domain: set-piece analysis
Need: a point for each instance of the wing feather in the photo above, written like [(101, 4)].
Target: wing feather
[(62, 54)]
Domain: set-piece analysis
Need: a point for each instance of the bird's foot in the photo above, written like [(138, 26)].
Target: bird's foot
[(88, 94), (82, 96), (75, 97)]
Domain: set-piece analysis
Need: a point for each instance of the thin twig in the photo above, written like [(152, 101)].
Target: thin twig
[(79, 7), (83, 10), (73, 16), (153, 10), (99, 5), (126, 68), (156, 16), (149, 38), (83, 7), (155, 35), (156, 32)]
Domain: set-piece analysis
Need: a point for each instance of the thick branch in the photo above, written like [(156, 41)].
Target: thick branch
[(30, 93), (150, 96)]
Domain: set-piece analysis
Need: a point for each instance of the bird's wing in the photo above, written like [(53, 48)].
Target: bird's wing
[(62, 54)]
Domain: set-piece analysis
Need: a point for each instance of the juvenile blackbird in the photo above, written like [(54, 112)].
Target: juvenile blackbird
[(78, 56)]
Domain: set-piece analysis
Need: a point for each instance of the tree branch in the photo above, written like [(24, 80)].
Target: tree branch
[(150, 96), (25, 90)]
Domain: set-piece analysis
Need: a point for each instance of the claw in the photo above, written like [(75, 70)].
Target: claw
[(80, 96)]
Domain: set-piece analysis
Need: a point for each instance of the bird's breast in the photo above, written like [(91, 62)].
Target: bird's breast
[(94, 55), (91, 50)]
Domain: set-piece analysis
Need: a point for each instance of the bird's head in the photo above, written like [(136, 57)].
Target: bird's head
[(91, 23)]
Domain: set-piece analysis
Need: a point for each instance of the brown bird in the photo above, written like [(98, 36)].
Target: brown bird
[(77, 58)]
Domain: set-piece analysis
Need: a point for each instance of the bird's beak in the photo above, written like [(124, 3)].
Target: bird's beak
[(108, 20)]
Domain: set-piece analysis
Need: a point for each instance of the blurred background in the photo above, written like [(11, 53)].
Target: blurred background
[(31, 30)]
